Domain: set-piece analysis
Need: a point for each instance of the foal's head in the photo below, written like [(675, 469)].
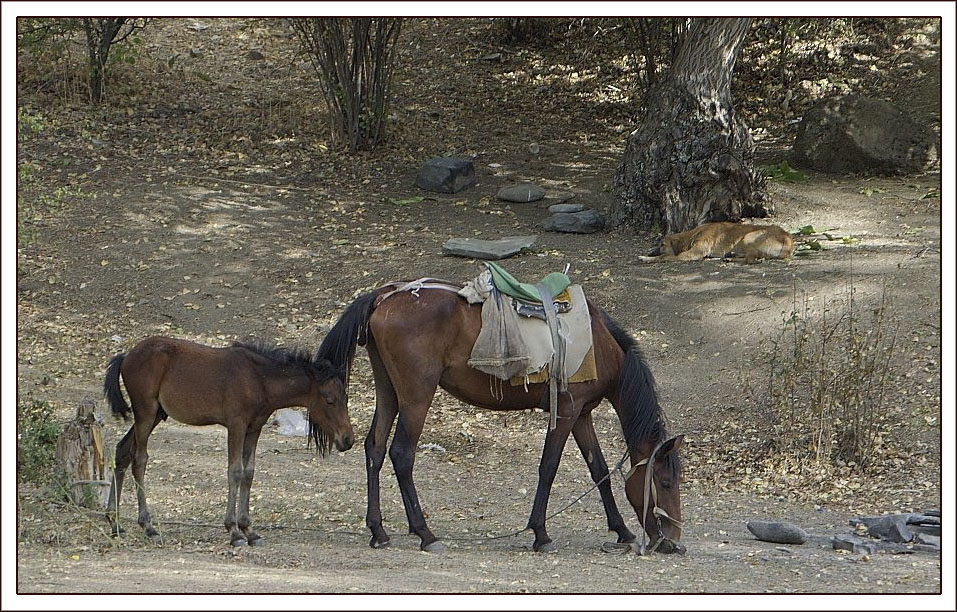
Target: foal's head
[(328, 416)]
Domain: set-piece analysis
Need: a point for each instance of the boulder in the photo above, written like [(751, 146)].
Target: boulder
[(855, 133), (525, 192), (586, 221), (446, 174), (777, 532), (487, 249)]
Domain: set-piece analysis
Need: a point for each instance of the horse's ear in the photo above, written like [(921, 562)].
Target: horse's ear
[(672, 445)]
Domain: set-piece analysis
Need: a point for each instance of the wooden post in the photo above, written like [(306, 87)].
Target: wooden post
[(81, 454)]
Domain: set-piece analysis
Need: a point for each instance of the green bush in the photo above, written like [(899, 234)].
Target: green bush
[(37, 432)]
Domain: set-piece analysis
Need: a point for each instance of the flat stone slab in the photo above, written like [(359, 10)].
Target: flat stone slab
[(566, 208), (525, 192), (446, 174), (586, 221), (853, 544), (778, 532), (487, 249)]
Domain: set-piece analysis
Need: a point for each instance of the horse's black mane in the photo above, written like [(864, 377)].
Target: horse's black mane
[(283, 356), (644, 418)]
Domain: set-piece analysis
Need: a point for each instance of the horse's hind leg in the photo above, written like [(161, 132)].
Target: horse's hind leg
[(121, 458), (402, 454), (141, 433), (584, 432), (385, 412), (249, 469)]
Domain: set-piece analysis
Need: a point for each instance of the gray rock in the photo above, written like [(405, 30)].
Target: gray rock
[(446, 174), (584, 222), (892, 527), (853, 544), (526, 192), (858, 134), (566, 208), (487, 249), (778, 532)]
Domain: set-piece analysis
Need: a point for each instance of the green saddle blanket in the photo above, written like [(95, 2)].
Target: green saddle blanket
[(555, 282)]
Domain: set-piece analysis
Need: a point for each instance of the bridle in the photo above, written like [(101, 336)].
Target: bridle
[(650, 500)]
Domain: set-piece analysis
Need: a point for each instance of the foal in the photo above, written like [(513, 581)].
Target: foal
[(238, 387)]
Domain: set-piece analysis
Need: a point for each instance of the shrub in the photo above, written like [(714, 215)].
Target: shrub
[(37, 432), (826, 382), (353, 58)]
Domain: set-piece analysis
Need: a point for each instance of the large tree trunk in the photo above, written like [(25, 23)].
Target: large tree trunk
[(691, 160)]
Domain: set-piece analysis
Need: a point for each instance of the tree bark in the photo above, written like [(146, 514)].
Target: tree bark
[(692, 159), (81, 453)]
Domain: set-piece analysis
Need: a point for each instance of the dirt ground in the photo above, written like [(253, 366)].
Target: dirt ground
[(232, 247)]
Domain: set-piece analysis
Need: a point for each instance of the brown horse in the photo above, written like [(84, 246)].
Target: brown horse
[(238, 387), (418, 341)]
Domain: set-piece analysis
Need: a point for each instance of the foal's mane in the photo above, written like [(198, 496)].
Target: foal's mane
[(283, 357), (644, 418)]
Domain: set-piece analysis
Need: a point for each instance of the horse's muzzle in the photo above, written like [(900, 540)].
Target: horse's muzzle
[(668, 546), (345, 442)]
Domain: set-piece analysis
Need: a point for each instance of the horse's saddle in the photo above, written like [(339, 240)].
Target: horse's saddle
[(555, 283), (562, 302), (528, 297)]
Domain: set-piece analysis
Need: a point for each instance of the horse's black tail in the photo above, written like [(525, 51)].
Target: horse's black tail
[(339, 345), (111, 388)]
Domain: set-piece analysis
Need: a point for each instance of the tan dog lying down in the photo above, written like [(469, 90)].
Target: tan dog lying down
[(748, 242)]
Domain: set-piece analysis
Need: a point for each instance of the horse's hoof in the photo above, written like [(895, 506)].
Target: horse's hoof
[(257, 541), (238, 543), (376, 543), (547, 547), (433, 547)]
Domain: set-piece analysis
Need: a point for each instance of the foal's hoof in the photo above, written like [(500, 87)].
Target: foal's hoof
[(256, 541), (433, 547), (238, 543)]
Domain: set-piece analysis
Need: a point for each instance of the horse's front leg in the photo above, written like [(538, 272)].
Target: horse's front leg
[(249, 469), (551, 456), (236, 434), (584, 431)]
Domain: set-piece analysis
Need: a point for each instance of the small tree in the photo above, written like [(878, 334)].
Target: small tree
[(691, 160), (353, 58), (101, 34)]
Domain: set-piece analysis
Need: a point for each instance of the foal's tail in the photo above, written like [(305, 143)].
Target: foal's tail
[(111, 388), (339, 345)]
